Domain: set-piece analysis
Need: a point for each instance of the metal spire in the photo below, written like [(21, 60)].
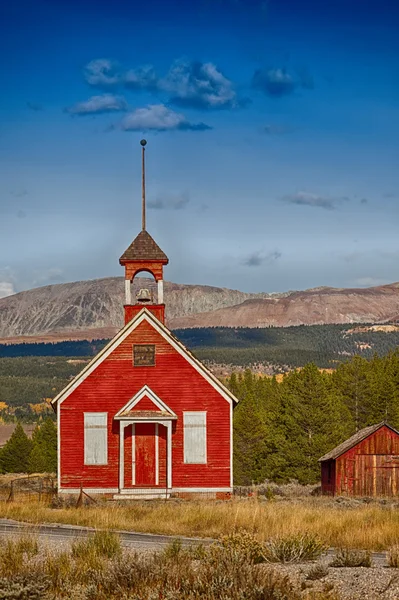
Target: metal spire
[(143, 143)]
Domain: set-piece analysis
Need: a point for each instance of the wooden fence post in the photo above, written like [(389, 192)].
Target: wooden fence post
[(11, 494)]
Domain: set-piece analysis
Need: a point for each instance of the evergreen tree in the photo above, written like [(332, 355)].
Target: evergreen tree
[(249, 442), (313, 420), (14, 457), (43, 458), (352, 383)]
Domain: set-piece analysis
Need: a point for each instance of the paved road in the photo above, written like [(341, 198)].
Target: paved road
[(56, 534), (67, 533)]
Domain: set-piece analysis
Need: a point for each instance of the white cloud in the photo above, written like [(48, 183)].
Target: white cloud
[(99, 104), (158, 117), (103, 73), (315, 200), (141, 78), (6, 289), (199, 85)]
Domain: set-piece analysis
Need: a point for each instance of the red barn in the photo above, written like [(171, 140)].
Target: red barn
[(145, 418), (367, 464)]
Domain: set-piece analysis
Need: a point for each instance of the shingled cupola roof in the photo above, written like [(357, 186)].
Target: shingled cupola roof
[(143, 248)]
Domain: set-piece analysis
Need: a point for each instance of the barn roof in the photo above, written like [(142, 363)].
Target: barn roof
[(359, 436), (143, 247), (145, 314)]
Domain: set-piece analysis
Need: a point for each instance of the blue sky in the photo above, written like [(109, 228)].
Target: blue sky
[(272, 131)]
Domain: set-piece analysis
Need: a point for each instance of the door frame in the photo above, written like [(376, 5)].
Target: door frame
[(156, 436), (125, 422)]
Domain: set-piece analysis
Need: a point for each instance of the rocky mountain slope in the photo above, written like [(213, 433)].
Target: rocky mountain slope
[(98, 305), (88, 309), (312, 307)]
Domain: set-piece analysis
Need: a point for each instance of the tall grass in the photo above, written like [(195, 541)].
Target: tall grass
[(371, 527), (220, 573)]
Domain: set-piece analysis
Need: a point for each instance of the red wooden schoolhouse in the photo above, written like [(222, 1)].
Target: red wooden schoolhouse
[(145, 418), (367, 464)]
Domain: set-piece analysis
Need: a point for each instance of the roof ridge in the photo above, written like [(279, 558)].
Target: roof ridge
[(354, 439)]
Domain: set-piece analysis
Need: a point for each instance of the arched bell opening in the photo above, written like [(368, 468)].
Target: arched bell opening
[(144, 290)]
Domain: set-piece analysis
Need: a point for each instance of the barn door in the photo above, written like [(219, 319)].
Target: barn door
[(378, 475), (145, 456)]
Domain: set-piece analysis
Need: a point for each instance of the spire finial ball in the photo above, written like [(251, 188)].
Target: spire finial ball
[(143, 142)]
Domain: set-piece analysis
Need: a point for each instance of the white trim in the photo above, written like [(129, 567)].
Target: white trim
[(133, 454), (231, 445), (168, 426), (122, 426), (225, 489), (156, 454), (143, 491), (88, 490), (132, 491), (58, 446), (160, 291), (140, 419), (145, 315), (145, 391), (128, 292)]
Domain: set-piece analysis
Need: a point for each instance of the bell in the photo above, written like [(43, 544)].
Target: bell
[(144, 296)]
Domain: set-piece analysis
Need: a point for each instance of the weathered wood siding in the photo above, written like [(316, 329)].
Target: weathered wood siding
[(371, 468), (113, 383)]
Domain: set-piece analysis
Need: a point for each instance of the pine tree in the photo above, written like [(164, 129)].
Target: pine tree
[(14, 457), (313, 420), (43, 458), (249, 442)]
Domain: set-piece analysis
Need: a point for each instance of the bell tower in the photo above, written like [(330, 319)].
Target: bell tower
[(143, 254)]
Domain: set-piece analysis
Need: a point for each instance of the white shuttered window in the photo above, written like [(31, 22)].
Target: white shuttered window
[(95, 438), (194, 424)]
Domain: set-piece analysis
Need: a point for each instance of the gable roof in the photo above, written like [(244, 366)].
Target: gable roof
[(145, 315), (146, 391), (143, 247), (359, 436)]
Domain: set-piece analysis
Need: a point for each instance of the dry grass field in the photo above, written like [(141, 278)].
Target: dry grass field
[(371, 526)]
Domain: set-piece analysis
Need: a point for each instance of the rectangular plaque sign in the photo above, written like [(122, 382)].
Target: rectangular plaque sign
[(144, 355)]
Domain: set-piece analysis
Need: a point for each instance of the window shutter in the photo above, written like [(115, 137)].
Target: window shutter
[(95, 439), (194, 424)]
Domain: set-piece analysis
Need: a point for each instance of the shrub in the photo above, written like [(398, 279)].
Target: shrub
[(317, 572), (173, 549), (244, 543), (393, 557), (345, 557), (102, 543), (27, 544), (294, 548), (14, 552), (57, 568), (24, 587)]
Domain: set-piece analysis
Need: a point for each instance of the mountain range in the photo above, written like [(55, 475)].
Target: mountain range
[(94, 309)]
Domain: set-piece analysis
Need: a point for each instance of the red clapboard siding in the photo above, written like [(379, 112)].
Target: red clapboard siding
[(113, 383), (145, 404), (371, 468)]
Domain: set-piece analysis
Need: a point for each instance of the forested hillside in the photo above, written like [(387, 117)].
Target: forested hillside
[(27, 383), (282, 429), (325, 345)]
